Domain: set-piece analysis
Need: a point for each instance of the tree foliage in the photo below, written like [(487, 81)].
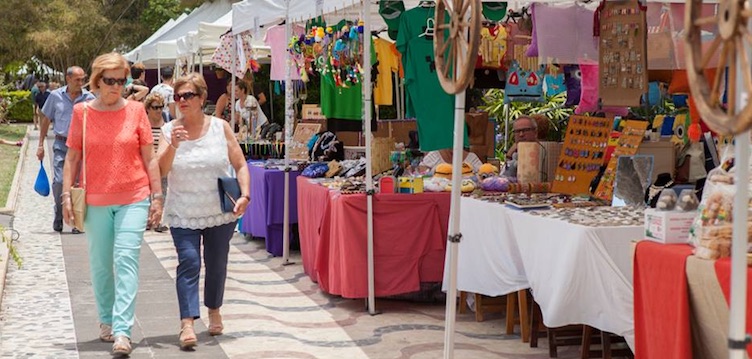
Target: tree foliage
[(62, 33)]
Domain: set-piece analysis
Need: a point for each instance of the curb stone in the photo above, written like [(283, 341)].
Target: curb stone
[(10, 207)]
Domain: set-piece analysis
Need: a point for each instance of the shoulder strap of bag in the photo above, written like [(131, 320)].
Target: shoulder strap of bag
[(83, 146)]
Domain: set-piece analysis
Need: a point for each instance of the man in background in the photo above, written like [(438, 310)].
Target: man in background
[(525, 129), (58, 110)]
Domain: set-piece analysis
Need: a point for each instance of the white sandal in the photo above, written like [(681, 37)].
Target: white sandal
[(122, 345)]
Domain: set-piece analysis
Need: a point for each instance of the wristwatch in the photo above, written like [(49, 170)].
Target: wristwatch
[(156, 196)]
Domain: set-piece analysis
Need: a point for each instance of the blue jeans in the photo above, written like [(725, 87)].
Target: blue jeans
[(115, 234), (59, 150), (216, 249)]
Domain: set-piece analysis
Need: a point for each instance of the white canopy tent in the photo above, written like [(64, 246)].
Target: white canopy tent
[(163, 48), (204, 41), (135, 54)]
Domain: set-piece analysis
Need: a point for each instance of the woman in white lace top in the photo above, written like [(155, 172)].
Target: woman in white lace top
[(194, 151)]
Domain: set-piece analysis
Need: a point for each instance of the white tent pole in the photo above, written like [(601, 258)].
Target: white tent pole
[(738, 340), (366, 86), (288, 134), (201, 63), (159, 66), (453, 234), (232, 79)]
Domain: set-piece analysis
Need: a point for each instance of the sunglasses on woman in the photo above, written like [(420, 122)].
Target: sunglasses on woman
[(110, 81), (184, 96), (160, 107)]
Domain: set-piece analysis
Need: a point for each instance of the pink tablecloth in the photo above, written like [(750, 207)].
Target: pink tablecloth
[(409, 240)]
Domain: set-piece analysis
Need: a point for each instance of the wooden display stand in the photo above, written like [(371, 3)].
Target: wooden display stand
[(623, 54)]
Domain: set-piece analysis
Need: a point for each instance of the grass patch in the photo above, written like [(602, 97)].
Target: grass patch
[(9, 156)]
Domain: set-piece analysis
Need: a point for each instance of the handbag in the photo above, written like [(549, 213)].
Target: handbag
[(229, 192), (78, 194), (42, 184)]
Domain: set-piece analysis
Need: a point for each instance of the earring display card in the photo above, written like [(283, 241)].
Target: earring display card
[(622, 54), (628, 144), (582, 154)]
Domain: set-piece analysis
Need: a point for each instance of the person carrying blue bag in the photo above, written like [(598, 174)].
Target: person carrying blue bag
[(42, 184)]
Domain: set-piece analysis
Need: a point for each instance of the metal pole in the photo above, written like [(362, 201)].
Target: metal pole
[(366, 85), (288, 140), (738, 339)]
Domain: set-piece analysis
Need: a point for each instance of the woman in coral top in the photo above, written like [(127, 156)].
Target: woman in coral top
[(194, 151), (123, 190)]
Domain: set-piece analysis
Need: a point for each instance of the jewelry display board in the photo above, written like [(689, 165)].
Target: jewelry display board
[(623, 54), (582, 154), (628, 144)]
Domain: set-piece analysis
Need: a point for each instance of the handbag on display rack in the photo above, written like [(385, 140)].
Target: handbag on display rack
[(78, 194)]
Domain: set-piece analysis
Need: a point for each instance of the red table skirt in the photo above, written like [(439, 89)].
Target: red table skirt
[(661, 303), (723, 271), (409, 240)]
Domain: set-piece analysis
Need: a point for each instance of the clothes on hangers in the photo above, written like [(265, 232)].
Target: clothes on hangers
[(277, 41), (389, 62), (425, 99)]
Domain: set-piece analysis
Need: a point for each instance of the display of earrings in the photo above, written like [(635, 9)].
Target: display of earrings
[(628, 144), (582, 154), (623, 61)]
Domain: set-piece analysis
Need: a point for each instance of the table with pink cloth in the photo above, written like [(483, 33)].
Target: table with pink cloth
[(409, 239)]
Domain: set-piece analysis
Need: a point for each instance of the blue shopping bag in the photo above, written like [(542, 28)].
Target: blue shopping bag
[(42, 184)]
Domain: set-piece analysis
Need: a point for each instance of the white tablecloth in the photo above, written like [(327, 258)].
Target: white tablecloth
[(489, 262), (578, 274)]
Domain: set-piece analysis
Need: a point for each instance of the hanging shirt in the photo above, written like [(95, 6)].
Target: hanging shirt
[(389, 63), (339, 101), (425, 99), (493, 47), (275, 38)]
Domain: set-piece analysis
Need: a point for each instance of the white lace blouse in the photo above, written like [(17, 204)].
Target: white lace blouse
[(192, 196)]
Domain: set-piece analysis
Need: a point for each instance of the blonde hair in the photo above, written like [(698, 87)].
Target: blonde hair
[(194, 79), (105, 62), (152, 98)]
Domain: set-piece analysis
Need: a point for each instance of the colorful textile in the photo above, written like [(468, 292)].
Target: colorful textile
[(661, 312), (223, 54)]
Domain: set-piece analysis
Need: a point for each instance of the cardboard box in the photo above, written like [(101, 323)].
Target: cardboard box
[(311, 112), (668, 226), (411, 185)]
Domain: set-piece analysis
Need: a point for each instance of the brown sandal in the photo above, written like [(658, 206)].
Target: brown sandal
[(122, 346), (105, 333), (187, 337), (215, 324)]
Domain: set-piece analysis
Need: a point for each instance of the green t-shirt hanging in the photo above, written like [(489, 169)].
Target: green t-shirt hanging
[(433, 108), (342, 102)]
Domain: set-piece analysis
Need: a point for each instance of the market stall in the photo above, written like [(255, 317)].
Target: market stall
[(411, 231)]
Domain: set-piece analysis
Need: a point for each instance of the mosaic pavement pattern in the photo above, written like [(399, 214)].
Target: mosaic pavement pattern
[(35, 318), (270, 310)]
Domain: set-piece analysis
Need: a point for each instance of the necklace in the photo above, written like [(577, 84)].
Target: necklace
[(654, 190)]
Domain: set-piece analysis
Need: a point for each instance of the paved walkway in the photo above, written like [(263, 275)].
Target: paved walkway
[(270, 310)]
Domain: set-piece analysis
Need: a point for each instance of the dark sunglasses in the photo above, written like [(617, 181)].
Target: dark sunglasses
[(184, 96), (157, 107), (109, 81)]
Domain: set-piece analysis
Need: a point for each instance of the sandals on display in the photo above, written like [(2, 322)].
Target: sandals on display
[(215, 323), (187, 337)]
